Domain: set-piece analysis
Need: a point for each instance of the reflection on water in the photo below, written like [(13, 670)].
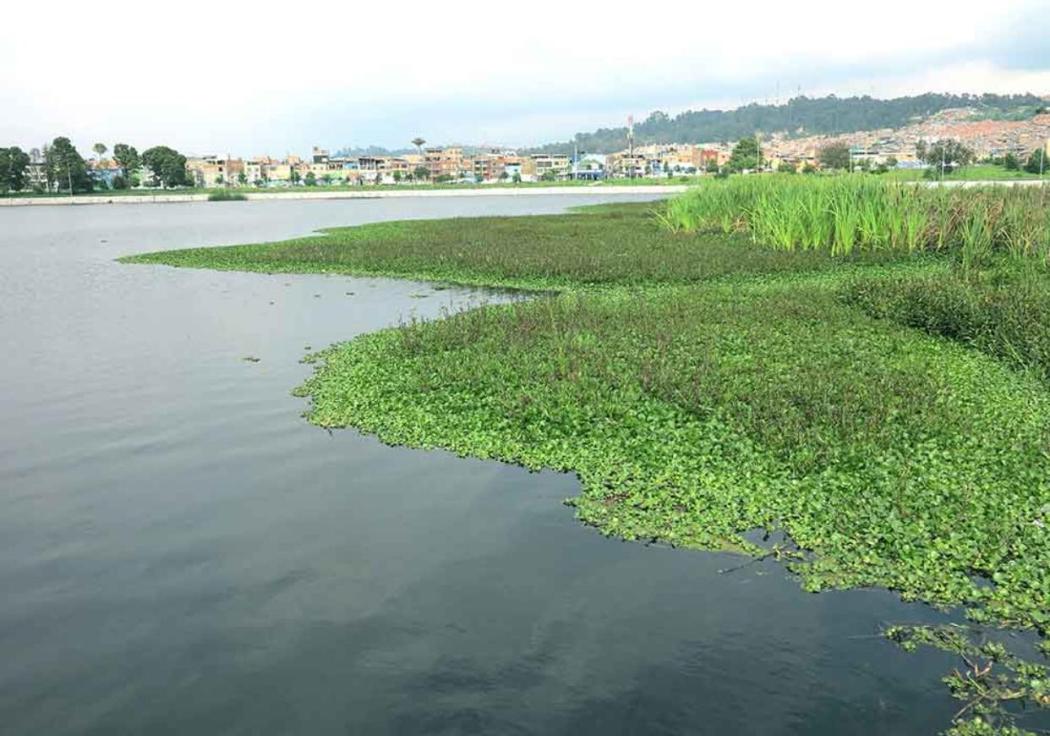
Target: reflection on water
[(181, 553)]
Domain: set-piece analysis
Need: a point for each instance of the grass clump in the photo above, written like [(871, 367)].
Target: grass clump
[(845, 214)]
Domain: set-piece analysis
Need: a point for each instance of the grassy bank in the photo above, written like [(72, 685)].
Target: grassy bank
[(973, 172), (704, 384)]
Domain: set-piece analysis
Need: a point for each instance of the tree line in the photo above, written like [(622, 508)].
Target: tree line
[(65, 170), (829, 115)]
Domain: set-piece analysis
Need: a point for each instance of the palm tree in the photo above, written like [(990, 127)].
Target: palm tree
[(418, 143)]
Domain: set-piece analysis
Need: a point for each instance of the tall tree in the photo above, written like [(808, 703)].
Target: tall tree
[(127, 158), (1037, 163), (746, 155), (100, 150), (13, 164), (65, 167), (168, 166), (834, 156), (944, 155)]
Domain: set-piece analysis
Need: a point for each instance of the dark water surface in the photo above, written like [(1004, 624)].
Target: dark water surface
[(180, 552)]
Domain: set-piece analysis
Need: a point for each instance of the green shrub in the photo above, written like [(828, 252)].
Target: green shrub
[(1002, 312), (225, 195)]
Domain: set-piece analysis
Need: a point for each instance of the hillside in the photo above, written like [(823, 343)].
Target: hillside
[(799, 116)]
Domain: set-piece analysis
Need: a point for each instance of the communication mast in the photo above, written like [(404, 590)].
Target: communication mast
[(630, 143)]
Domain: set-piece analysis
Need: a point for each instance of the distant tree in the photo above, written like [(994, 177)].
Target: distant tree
[(326, 179), (5, 170), (891, 162), (809, 168), (65, 167), (835, 156), (219, 181), (422, 173), (127, 158), (119, 182), (168, 166), (418, 143), (295, 175), (13, 165), (746, 155), (1037, 163), (242, 178), (258, 182), (310, 179), (503, 175), (397, 176), (548, 176), (99, 149), (1011, 162), (711, 167), (443, 178), (945, 155), (786, 167), (516, 179)]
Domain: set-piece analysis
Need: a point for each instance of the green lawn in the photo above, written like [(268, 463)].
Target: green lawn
[(976, 172), (702, 386)]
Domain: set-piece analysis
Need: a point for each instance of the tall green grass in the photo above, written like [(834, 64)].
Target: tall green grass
[(853, 213)]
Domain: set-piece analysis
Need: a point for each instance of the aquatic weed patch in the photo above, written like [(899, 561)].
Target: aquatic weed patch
[(703, 386), (609, 246), (694, 414)]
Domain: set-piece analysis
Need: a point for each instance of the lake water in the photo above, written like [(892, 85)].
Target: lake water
[(180, 552)]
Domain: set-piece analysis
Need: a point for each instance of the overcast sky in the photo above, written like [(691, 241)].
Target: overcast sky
[(259, 77)]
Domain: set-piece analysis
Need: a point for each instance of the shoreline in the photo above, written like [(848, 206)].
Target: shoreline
[(89, 199), (603, 189)]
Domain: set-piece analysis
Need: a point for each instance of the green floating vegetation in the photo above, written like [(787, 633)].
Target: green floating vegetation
[(991, 677), (622, 245), (704, 385)]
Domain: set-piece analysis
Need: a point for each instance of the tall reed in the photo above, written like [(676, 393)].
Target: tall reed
[(844, 214)]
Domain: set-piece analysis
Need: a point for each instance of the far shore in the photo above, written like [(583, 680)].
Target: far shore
[(302, 193), (171, 197)]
